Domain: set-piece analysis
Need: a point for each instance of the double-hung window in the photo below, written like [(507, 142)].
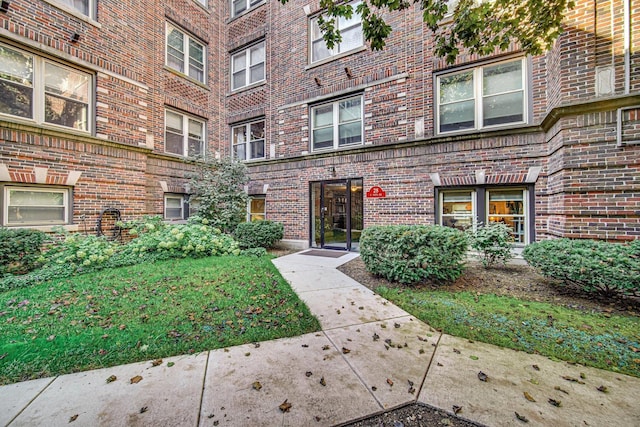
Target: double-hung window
[(38, 89), (31, 206), (184, 135), (457, 209), (247, 66), (239, 6), (257, 209), (248, 141), (175, 207), (350, 31), (185, 54), (85, 7), (337, 124), (482, 97)]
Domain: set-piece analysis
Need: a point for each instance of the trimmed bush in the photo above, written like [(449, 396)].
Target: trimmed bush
[(258, 234), (593, 265), (493, 243), (20, 250), (411, 254)]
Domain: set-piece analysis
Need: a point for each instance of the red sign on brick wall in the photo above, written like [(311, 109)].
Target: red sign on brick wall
[(376, 192)]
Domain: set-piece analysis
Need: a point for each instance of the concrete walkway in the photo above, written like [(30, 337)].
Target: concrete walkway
[(370, 356)]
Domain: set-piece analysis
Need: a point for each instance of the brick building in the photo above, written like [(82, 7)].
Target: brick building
[(104, 104)]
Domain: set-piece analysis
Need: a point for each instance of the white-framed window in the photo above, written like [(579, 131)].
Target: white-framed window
[(458, 209), (337, 124), (183, 135), (35, 205), (239, 6), (486, 96), (176, 207), (44, 91), (185, 54), (248, 140), (85, 7), (202, 2), (257, 208), (350, 31), (248, 66), (509, 206)]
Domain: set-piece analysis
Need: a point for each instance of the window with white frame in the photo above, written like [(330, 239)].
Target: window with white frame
[(202, 2), (85, 7), (337, 124), (482, 97), (239, 6), (184, 135), (38, 89), (35, 205), (247, 66), (185, 54), (176, 207), (350, 31), (457, 209), (460, 208), (257, 209), (248, 141)]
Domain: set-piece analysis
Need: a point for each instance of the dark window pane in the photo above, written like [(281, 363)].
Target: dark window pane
[(16, 99), (173, 143), (65, 112)]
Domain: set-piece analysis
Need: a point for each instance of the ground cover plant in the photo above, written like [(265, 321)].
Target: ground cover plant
[(143, 312)]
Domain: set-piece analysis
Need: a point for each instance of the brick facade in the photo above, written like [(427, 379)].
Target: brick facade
[(578, 149)]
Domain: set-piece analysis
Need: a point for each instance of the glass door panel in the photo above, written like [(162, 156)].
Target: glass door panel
[(335, 219)]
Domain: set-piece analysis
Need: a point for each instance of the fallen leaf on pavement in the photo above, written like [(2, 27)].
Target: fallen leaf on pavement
[(156, 362), (556, 403), (521, 417), (144, 409), (73, 418), (285, 406), (456, 409), (456, 351), (170, 364), (111, 379), (483, 377), (345, 350), (389, 382), (323, 382), (603, 389), (573, 380), (376, 337), (136, 379), (325, 347), (529, 397), (536, 367), (561, 390), (308, 373), (396, 325), (256, 385)]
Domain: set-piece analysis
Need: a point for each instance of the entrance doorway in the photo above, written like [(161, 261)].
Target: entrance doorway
[(336, 214)]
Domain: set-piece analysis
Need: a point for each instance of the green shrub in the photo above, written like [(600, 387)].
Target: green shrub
[(20, 250), (258, 234), (493, 243), (593, 265), (411, 254), (254, 252)]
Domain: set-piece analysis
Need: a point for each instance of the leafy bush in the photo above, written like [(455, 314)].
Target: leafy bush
[(258, 234), (19, 250), (411, 254), (254, 252), (493, 243), (218, 187), (593, 265)]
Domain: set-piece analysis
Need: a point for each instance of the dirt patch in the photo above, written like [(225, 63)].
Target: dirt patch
[(415, 415), (518, 281)]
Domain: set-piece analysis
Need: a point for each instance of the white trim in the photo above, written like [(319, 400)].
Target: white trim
[(335, 123), (186, 118), (247, 143), (336, 50), (247, 66), (186, 57)]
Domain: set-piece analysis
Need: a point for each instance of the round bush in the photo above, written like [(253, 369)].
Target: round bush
[(258, 234), (593, 265), (413, 253)]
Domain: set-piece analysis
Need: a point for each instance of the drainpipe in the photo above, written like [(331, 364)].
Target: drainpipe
[(627, 45)]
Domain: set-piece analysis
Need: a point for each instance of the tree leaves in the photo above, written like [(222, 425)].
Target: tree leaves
[(479, 26)]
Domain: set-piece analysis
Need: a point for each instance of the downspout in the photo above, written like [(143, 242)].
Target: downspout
[(627, 46)]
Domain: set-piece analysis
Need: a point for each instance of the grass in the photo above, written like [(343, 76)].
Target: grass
[(606, 342), (145, 312)]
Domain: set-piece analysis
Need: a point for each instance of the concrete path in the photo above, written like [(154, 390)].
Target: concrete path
[(370, 356)]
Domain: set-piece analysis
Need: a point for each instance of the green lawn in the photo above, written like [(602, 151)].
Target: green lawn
[(611, 343), (145, 312)]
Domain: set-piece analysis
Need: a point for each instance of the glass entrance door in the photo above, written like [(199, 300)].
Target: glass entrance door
[(336, 214)]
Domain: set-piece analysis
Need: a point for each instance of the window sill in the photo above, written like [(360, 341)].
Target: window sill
[(186, 77), (47, 228), (484, 129), (49, 126), (332, 150), (71, 11), (335, 57), (246, 12), (249, 87)]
